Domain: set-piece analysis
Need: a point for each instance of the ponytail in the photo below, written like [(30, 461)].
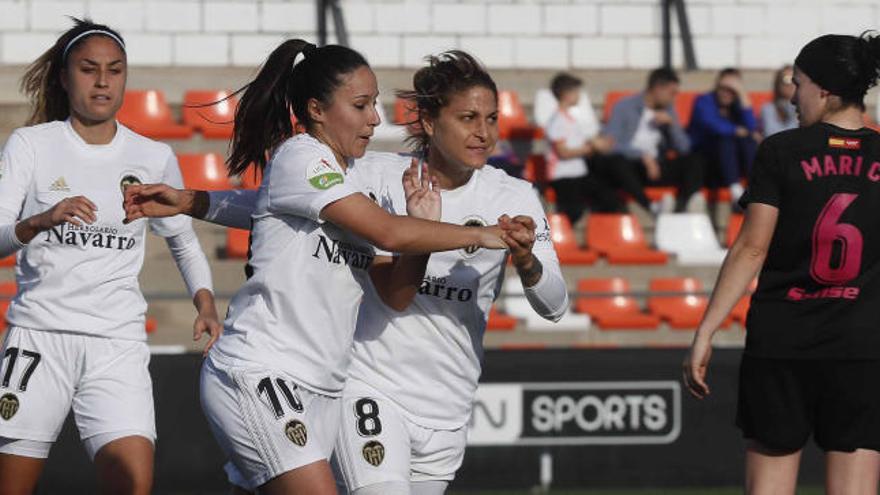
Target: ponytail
[(284, 86), (41, 82)]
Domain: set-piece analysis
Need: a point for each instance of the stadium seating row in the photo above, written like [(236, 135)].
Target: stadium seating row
[(610, 303)]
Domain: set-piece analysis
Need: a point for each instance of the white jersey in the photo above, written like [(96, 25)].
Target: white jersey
[(82, 279), (297, 310), (427, 357), (563, 127)]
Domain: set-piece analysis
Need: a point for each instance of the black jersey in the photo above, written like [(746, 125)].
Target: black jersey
[(818, 293)]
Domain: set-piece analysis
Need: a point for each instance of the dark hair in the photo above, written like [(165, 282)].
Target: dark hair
[(663, 75), (447, 74), (262, 118), (859, 58), (42, 80), (563, 82), (729, 71)]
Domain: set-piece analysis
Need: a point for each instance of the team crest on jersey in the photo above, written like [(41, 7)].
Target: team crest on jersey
[(296, 432), (374, 453), (128, 179), (472, 221), (322, 175), (8, 406)]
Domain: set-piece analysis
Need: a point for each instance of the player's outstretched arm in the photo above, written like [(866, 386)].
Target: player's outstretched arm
[(232, 208), (740, 267)]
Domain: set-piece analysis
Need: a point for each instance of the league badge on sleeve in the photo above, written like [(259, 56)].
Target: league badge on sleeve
[(8, 406), (323, 176), (296, 432), (374, 453)]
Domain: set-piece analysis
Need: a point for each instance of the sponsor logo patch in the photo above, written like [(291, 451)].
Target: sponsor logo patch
[(296, 432), (59, 185), (845, 143), (323, 176), (374, 453), (8, 406)]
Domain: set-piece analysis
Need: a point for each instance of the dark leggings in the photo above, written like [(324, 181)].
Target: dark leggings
[(729, 158), (684, 172), (573, 193)]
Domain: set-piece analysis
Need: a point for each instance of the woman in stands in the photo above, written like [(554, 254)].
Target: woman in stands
[(778, 114), (416, 359), (812, 353), (271, 387), (76, 336)]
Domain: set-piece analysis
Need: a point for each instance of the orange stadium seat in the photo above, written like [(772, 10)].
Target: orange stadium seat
[(4, 305), (7, 262), (620, 311), (204, 171), (680, 311), (684, 106), (251, 178), (567, 248), (150, 325), (535, 169), (620, 238), (7, 290), (146, 112), (611, 99), (741, 309), (656, 193), (759, 98), (500, 321), (734, 224), (237, 241), (512, 120), (210, 112), (405, 113)]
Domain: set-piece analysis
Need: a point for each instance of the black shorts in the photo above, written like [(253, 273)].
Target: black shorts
[(783, 401)]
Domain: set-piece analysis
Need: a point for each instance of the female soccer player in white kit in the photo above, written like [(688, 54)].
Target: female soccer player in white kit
[(271, 385), (416, 359), (77, 335)]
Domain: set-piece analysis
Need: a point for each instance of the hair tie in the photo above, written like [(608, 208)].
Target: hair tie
[(90, 32)]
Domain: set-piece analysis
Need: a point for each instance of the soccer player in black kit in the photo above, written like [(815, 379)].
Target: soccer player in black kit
[(812, 358)]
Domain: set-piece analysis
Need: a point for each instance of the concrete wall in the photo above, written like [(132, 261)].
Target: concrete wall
[(524, 34)]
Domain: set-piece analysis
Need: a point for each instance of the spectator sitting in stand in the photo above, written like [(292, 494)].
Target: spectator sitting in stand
[(650, 146), (566, 158), (779, 114), (723, 131)]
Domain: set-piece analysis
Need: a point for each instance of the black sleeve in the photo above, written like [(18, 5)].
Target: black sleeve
[(765, 182)]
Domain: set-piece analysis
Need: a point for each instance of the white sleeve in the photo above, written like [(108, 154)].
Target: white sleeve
[(232, 208), (16, 174), (588, 119), (171, 226), (303, 180), (549, 297), (191, 261)]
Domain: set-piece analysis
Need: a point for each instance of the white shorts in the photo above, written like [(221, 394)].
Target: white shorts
[(265, 423), (43, 374), (379, 444)]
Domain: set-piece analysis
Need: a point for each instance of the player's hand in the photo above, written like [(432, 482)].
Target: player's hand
[(75, 210), (155, 201), (207, 321), (492, 237), (602, 144), (519, 235), (652, 167), (422, 194), (741, 131), (662, 117), (696, 366)]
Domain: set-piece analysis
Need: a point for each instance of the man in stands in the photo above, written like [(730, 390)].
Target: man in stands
[(650, 146)]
